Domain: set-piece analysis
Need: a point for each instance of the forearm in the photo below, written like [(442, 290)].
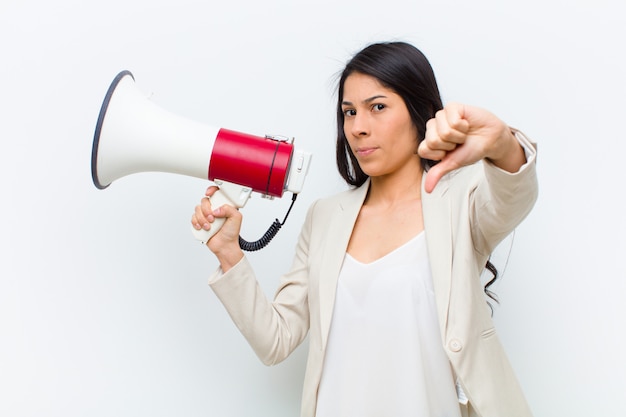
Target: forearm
[(503, 199), (273, 329)]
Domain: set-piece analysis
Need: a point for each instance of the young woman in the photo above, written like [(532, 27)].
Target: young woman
[(386, 276)]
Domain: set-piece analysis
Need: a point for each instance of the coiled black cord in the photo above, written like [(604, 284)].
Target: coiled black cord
[(268, 235)]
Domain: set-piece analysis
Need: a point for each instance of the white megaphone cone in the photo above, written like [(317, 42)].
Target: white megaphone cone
[(135, 135)]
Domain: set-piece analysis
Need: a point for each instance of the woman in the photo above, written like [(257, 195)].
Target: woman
[(386, 276)]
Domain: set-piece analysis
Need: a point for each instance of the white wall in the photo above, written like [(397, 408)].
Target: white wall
[(104, 307)]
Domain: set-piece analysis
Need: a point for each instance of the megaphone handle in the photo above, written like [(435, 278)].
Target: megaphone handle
[(218, 199)]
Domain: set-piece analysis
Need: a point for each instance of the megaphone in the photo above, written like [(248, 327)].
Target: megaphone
[(135, 135)]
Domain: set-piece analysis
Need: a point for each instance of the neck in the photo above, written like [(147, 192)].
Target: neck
[(398, 188)]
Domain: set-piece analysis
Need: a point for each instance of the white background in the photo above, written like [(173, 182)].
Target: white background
[(104, 305)]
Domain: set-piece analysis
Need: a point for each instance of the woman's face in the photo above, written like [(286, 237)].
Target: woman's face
[(378, 126)]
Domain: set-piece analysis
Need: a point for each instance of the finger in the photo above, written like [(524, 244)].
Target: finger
[(441, 125), (199, 223), (230, 230), (437, 132), (194, 222), (207, 208), (426, 152), (451, 127), (432, 147), (211, 190), (200, 220), (432, 178), (437, 172), (226, 211), (456, 116)]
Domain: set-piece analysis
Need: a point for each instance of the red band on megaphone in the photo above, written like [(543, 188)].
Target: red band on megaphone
[(256, 162)]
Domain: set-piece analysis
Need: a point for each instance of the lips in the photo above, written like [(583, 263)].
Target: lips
[(364, 151)]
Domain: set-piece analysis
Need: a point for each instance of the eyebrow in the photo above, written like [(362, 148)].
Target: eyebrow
[(366, 101)]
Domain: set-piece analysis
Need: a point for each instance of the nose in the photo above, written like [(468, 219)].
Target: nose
[(359, 125)]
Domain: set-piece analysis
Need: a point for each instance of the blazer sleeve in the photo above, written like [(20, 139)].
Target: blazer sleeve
[(272, 328), (502, 199)]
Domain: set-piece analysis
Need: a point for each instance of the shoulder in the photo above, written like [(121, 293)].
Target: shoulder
[(335, 211)]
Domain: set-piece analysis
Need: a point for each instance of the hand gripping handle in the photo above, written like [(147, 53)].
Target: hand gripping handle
[(218, 199), (235, 195)]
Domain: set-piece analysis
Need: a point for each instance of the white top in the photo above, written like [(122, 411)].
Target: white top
[(384, 355)]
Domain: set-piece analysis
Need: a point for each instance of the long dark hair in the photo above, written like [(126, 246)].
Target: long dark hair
[(404, 69)]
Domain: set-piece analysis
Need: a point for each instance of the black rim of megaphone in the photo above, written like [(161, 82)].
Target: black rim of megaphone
[(96, 136)]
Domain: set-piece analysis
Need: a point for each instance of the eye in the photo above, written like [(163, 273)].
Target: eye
[(349, 112), (378, 107)]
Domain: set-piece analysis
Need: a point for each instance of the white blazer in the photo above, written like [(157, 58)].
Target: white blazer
[(470, 211)]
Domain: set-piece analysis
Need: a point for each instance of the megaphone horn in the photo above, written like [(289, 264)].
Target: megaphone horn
[(135, 135)]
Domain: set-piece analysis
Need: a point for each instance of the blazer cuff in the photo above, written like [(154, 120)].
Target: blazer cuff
[(220, 275), (530, 151)]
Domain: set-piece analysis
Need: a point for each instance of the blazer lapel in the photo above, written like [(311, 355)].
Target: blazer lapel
[(341, 223), (437, 224)]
